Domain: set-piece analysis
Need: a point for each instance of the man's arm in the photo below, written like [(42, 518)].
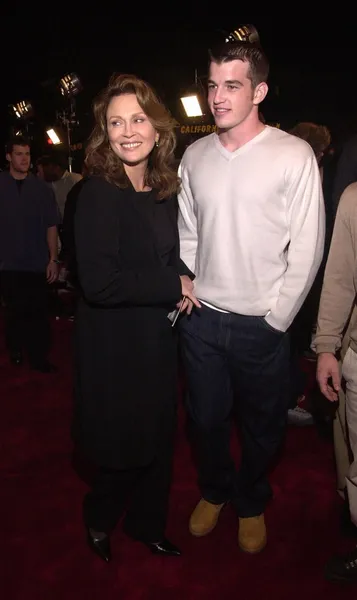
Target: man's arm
[(338, 292), (52, 243), (52, 219), (338, 296), (187, 222), (306, 219)]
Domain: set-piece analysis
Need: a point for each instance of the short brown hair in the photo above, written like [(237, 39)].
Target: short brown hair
[(57, 159), (318, 136), (17, 140), (251, 53), (101, 160)]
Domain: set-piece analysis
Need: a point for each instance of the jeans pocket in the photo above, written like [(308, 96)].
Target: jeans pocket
[(269, 327)]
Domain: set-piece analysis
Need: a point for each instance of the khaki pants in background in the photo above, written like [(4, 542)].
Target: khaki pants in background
[(342, 433), (349, 373)]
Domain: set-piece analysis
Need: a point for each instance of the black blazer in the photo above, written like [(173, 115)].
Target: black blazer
[(126, 349)]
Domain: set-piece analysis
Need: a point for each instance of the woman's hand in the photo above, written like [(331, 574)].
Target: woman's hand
[(190, 299)]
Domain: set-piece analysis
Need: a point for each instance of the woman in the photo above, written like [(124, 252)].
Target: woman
[(131, 278)]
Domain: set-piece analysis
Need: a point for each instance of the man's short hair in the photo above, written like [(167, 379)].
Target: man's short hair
[(56, 158), (17, 140), (249, 52)]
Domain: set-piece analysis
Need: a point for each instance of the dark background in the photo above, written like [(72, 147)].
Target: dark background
[(313, 65)]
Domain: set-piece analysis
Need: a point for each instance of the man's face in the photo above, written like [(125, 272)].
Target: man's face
[(231, 96), (40, 172), (51, 172), (19, 159)]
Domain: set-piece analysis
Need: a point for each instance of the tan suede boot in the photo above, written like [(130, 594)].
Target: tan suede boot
[(204, 518), (252, 534)]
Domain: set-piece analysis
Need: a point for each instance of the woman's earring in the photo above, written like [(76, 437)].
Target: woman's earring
[(157, 143)]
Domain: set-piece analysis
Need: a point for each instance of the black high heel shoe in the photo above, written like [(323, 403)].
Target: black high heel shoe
[(101, 546), (163, 548), (16, 358)]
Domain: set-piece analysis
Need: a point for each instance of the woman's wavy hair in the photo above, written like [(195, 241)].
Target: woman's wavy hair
[(102, 161)]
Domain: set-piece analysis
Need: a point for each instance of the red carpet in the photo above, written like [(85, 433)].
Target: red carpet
[(43, 554)]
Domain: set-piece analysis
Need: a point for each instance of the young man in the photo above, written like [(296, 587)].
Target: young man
[(53, 169), (337, 302), (28, 256), (251, 225)]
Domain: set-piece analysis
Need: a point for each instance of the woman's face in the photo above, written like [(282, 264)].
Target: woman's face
[(131, 134)]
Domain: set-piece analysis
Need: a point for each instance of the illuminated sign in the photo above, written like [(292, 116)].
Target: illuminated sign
[(197, 128), (208, 128)]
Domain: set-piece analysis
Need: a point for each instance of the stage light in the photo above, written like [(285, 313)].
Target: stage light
[(22, 110), (192, 106), (193, 99), (53, 137), (244, 33), (70, 85)]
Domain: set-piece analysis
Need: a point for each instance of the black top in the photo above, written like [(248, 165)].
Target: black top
[(119, 253), (160, 222), (126, 349), (27, 209)]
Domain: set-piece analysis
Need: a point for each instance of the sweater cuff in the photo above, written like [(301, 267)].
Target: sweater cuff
[(324, 343), (184, 270), (324, 347)]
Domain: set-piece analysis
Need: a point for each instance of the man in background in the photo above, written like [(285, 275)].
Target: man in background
[(28, 257), (301, 331), (54, 170), (338, 301), (346, 172)]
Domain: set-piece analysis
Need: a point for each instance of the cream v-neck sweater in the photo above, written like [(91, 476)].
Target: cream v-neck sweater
[(252, 224)]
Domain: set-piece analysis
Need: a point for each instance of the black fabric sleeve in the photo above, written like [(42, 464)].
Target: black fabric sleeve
[(103, 280)]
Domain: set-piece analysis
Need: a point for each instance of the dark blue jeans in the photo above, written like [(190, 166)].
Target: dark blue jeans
[(235, 362)]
